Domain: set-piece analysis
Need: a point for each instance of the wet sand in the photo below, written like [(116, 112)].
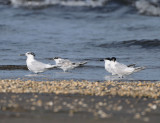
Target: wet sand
[(79, 101)]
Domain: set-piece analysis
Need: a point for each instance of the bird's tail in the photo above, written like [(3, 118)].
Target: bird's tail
[(79, 64), (52, 66), (131, 65), (82, 63), (139, 69)]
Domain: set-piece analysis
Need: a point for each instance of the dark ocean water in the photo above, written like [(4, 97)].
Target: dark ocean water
[(79, 34)]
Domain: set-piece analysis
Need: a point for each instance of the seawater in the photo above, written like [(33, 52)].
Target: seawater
[(79, 34)]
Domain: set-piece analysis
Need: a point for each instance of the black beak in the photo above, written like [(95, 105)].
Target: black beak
[(22, 54)]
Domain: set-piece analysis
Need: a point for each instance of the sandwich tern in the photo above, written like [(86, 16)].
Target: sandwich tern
[(66, 64), (122, 70), (34, 65)]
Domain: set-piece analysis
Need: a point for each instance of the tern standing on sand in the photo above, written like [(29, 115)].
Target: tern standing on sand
[(66, 64), (34, 65), (121, 69)]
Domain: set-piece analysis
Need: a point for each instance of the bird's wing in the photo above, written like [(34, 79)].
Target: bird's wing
[(81, 63), (40, 65), (120, 66), (124, 70), (65, 62), (131, 65)]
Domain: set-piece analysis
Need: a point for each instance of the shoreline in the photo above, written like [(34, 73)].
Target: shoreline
[(79, 101), (121, 88)]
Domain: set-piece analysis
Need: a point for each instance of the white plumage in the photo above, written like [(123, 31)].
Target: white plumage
[(108, 66), (36, 66), (116, 68), (66, 64)]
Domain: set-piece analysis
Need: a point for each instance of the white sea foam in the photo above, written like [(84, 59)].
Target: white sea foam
[(41, 3), (148, 7)]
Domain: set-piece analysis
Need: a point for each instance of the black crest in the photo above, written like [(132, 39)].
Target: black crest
[(32, 53), (113, 59), (56, 57)]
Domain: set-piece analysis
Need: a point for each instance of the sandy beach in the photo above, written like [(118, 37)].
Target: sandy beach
[(89, 31), (79, 101)]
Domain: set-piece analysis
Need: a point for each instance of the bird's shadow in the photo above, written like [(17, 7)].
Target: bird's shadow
[(116, 78), (35, 75), (67, 72), (111, 77)]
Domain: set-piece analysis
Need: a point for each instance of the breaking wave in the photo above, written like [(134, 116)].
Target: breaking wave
[(132, 43), (146, 7), (41, 3)]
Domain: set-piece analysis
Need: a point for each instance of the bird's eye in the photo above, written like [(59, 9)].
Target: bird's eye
[(32, 53)]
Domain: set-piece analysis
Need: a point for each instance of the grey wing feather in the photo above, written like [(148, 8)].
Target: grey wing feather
[(120, 66), (82, 63), (65, 62), (131, 65), (40, 65)]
